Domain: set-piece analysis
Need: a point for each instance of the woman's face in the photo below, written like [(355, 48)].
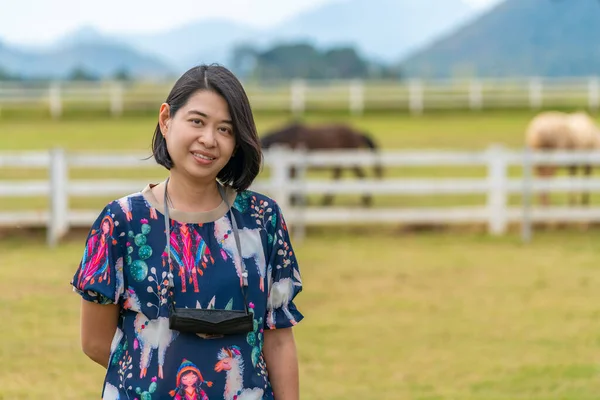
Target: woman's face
[(200, 137), (189, 379)]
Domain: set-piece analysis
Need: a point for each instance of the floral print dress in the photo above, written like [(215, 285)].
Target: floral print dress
[(124, 262)]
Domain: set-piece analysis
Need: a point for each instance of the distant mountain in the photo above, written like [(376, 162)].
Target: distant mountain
[(381, 29), (84, 35), (205, 41), (518, 38), (10, 57), (101, 60)]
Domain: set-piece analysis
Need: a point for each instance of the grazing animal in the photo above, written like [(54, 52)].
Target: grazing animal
[(555, 130), (324, 137)]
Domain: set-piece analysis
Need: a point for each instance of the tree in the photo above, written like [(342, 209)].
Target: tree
[(122, 74), (79, 73), (289, 61), (346, 63), (304, 61), (243, 60), (4, 75)]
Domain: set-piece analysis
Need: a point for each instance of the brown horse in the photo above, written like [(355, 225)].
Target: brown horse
[(323, 137)]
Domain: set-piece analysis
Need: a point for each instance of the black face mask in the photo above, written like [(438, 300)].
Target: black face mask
[(208, 321)]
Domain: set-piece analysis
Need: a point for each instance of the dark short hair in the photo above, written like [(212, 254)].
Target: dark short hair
[(244, 165)]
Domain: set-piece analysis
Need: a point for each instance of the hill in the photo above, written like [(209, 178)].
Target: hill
[(518, 38), (384, 30), (97, 59)]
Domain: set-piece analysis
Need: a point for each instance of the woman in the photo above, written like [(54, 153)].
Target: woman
[(198, 240)]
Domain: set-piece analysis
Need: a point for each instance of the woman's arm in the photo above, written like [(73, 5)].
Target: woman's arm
[(98, 326), (282, 363)]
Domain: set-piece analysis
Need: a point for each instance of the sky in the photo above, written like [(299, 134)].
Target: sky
[(40, 22)]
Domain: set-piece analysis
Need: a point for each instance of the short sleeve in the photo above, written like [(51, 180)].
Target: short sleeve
[(284, 277), (99, 277)]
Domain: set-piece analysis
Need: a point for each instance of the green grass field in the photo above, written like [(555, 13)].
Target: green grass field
[(390, 314), (441, 130)]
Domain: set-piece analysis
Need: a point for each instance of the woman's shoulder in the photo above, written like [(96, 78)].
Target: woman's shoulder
[(250, 201), (259, 207), (248, 194), (125, 208)]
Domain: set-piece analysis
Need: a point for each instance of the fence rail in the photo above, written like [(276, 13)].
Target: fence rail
[(300, 96), (497, 186)]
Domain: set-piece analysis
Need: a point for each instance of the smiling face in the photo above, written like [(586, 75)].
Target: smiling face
[(200, 137), (208, 99), (189, 379)]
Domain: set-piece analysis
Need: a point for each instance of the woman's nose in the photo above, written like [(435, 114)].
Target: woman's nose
[(208, 137)]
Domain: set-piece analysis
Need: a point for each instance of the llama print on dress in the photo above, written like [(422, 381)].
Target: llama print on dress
[(250, 242), (132, 301), (125, 204), (152, 335), (110, 392), (231, 361), (281, 294)]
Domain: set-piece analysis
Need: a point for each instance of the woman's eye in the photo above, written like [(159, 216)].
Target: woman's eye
[(225, 129), (196, 121)]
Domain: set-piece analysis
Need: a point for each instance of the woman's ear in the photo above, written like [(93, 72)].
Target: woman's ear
[(164, 118)]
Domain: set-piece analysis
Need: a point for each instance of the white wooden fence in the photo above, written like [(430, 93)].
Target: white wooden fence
[(496, 186), (299, 96)]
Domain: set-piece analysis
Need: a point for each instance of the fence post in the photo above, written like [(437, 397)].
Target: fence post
[(593, 95), (415, 100), (497, 194), (301, 194), (356, 97), (475, 95), (526, 195), (116, 99), (58, 222), (535, 93), (55, 101), (280, 176), (297, 94)]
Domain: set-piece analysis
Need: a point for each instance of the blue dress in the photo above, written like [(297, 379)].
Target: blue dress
[(125, 263)]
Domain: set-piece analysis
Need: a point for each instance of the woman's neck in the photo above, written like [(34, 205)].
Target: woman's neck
[(185, 195)]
